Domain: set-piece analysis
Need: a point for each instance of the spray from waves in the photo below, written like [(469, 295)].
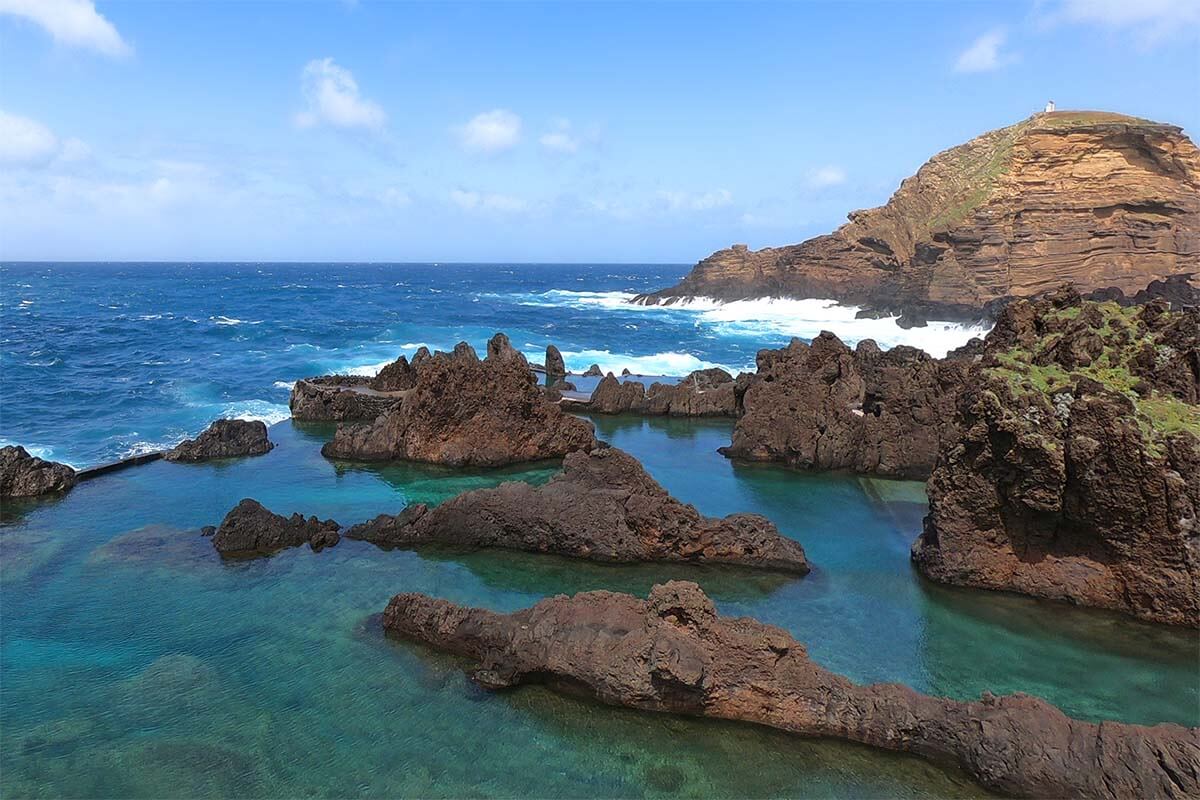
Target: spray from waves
[(674, 364), (223, 320), (775, 318), (261, 410), (285, 385), (37, 451)]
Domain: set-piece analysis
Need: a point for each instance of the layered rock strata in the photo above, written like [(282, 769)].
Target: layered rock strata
[(23, 475), (250, 530), (1096, 200), (703, 393), (673, 653), (466, 412), (603, 506), (1076, 473), (225, 438)]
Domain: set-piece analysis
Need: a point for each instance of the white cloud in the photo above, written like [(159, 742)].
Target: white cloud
[(560, 139), (687, 201), (828, 175), (483, 201), (25, 141), (490, 132), (1149, 20), (333, 98), (984, 54), (74, 23)]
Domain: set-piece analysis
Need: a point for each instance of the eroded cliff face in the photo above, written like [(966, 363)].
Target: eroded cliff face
[(1092, 199), (1076, 475)]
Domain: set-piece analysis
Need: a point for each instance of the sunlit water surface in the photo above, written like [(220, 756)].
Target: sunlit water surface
[(134, 663)]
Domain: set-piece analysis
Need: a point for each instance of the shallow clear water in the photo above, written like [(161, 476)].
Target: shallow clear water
[(99, 361), (133, 662)]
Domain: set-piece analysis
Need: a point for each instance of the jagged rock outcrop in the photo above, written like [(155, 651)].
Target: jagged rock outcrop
[(250, 530), (703, 393), (593, 371), (225, 438), (554, 391), (604, 506), (555, 368), (468, 412), (23, 475), (338, 398), (1077, 472), (824, 406), (1093, 199), (673, 653)]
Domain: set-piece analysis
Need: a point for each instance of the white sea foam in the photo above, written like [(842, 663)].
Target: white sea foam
[(287, 385), (677, 364), (223, 320), (778, 317), (261, 410), (37, 451), (369, 370)]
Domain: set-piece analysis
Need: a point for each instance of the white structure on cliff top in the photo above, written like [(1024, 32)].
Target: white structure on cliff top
[(1049, 106)]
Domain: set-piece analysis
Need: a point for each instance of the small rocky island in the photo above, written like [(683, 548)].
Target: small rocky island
[(463, 411), (673, 653), (603, 506), (250, 530), (225, 438), (23, 475)]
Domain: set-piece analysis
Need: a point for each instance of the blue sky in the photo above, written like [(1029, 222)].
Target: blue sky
[(385, 131)]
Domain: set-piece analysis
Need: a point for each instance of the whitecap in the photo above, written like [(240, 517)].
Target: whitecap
[(261, 410), (669, 363), (288, 385), (223, 320)]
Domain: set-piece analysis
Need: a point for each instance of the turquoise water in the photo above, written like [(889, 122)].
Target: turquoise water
[(133, 662)]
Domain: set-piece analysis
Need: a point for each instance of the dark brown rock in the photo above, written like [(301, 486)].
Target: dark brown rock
[(603, 506), (593, 371), (499, 348), (1092, 199), (23, 475), (251, 530), (467, 412), (397, 376), (673, 653), (824, 406), (339, 398), (703, 393), (225, 438), (555, 368), (1077, 473)]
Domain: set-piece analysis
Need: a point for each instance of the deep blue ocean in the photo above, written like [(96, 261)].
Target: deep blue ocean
[(136, 663), (105, 360)]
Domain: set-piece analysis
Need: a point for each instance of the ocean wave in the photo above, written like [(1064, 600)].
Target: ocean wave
[(284, 385), (260, 410), (223, 320), (670, 363), (369, 370)]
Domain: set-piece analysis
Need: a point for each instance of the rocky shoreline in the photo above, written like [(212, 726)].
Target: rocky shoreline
[(673, 653)]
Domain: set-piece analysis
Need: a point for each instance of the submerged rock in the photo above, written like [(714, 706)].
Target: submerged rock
[(604, 506), (225, 438), (23, 475), (674, 653), (467, 412), (249, 529), (1077, 473)]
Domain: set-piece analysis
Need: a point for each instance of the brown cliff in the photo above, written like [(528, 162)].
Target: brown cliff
[(673, 653), (1093, 199), (603, 506), (703, 393)]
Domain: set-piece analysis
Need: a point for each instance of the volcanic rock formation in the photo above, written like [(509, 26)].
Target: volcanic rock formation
[(338, 398), (23, 475), (603, 506), (555, 368), (703, 393), (467, 412), (1093, 199), (249, 530), (225, 438), (825, 406), (673, 653), (1077, 472)]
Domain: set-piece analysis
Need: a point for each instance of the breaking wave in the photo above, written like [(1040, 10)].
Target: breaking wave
[(674, 364), (260, 410)]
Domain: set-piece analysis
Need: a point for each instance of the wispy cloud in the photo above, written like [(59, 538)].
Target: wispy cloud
[(985, 54), (26, 142), (75, 23), (1150, 21), (490, 132), (485, 201), (333, 98), (560, 139), (828, 175), (701, 201)]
